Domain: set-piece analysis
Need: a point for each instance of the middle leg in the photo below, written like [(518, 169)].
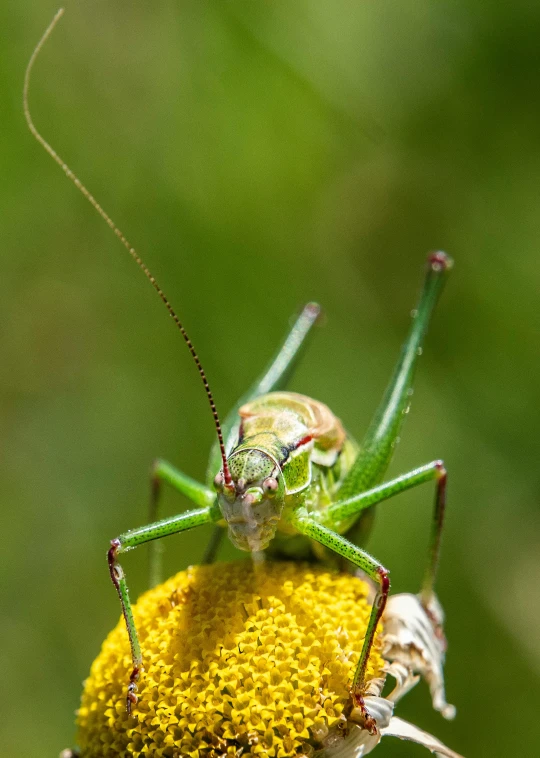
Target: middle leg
[(339, 513), (376, 571)]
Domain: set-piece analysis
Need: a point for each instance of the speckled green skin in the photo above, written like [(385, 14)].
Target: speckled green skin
[(315, 499), (314, 505)]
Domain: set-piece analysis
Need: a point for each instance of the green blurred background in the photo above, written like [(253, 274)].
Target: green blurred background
[(261, 154)]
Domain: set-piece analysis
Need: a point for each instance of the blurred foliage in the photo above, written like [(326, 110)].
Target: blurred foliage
[(261, 154)]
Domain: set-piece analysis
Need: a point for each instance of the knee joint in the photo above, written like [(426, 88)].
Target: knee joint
[(441, 470), (384, 579)]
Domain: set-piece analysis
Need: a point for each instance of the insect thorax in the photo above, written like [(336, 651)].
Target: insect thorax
[(297, 432), (292, 451)]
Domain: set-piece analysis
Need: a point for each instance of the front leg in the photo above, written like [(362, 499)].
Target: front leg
[(161, 472), (310, 528), (133, 539)]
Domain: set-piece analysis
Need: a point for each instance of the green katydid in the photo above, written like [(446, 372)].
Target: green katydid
[(283, 476)]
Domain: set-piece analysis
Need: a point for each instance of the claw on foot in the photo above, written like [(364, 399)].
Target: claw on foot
[(132, 698), (368, 722)]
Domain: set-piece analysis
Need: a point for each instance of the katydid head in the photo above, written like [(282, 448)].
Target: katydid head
[(252, 506)]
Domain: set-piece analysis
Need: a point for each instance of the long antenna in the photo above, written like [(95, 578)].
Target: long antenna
[(131, 250)]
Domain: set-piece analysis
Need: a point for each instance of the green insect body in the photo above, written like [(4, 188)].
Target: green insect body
[(291, 451), (283, 475), (293, 483)]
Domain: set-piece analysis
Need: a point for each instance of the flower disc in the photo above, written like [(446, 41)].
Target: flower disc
[(238, 659)]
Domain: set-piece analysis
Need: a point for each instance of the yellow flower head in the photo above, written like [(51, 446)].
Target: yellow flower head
[(255, 660), (236, 658)]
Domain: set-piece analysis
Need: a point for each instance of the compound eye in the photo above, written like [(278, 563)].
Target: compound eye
[(218, 481), (270, 486)]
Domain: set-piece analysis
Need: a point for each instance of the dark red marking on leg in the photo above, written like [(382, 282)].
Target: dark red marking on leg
[(439, 261), (385, 589), (131, 698), (435, 542), (439, 511), (440, 505), (442, 479), (379, 603), (367, 721), (116, 576), (111, 558)]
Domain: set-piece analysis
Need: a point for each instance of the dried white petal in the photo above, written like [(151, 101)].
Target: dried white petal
[(378, 708), (414, 639), (406, 731), (414, 646), (356, 741), (355, 744), (405, 680)]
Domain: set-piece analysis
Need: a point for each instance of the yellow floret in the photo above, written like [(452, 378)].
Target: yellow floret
[(238, 660)]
